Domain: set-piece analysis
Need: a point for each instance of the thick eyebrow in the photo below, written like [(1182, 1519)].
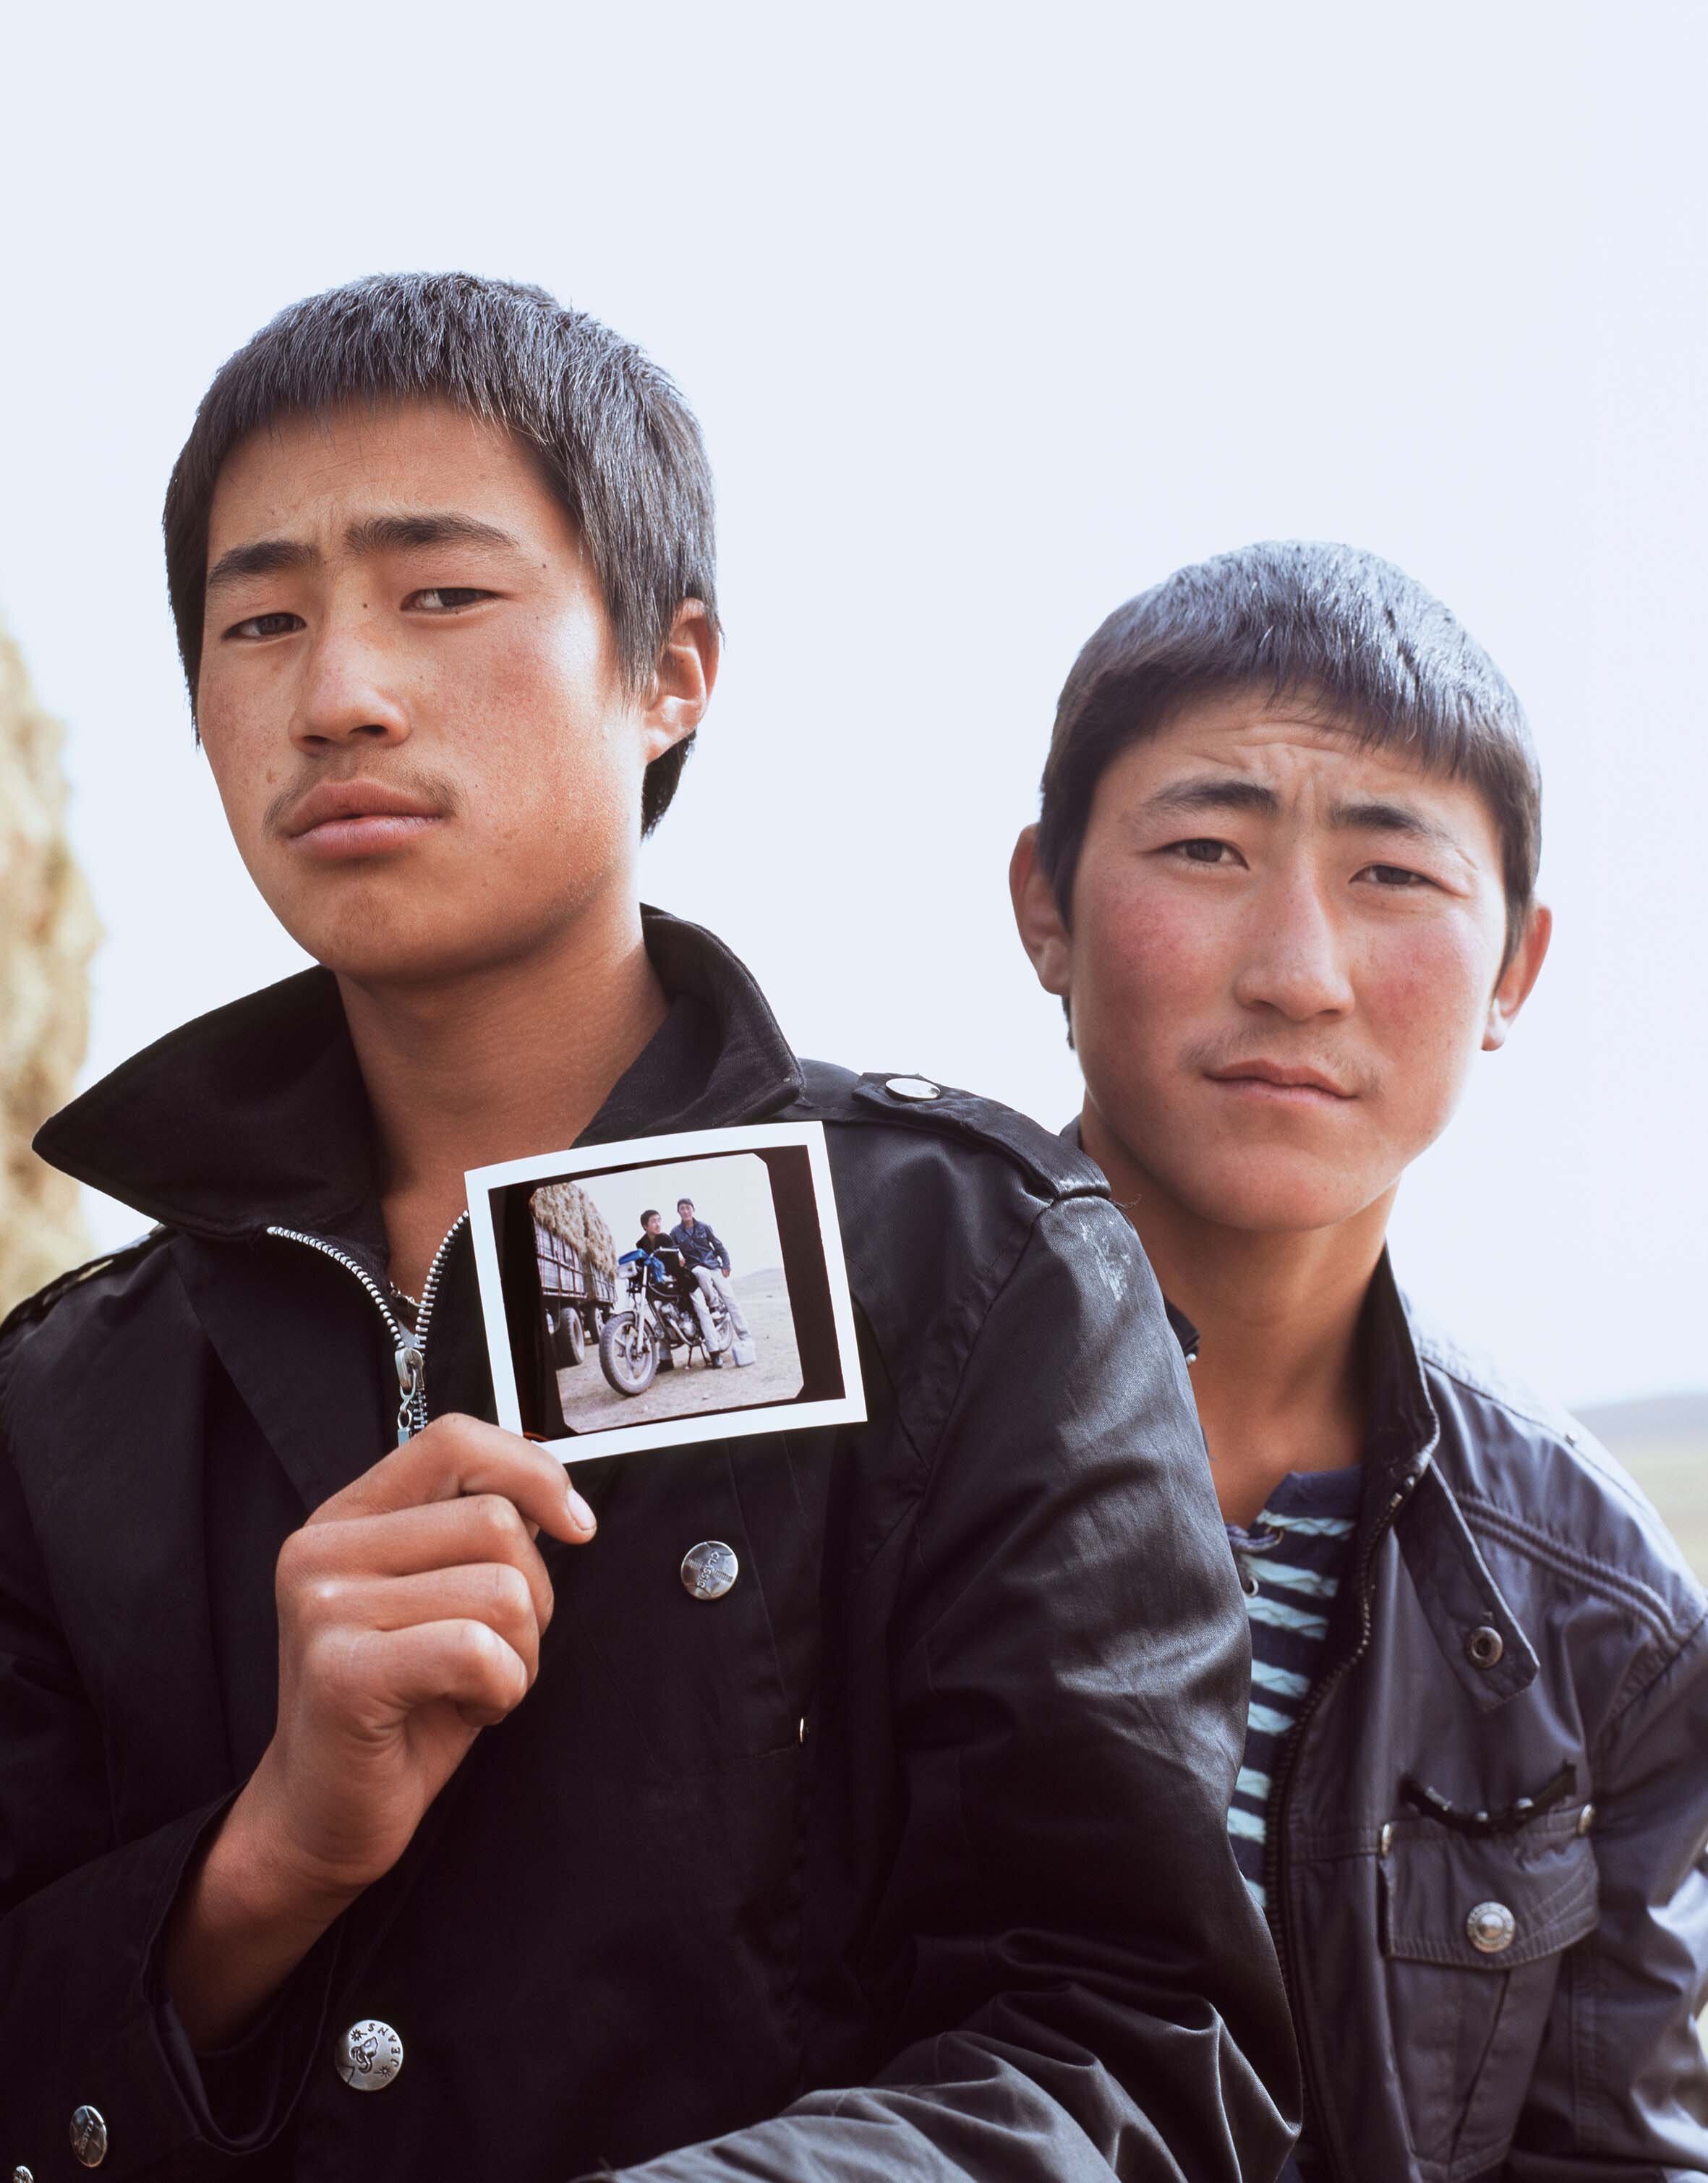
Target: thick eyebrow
[(1357, 814), (1376, 815), (376, 533), (392, 534), (266, 557), (1216, 792)]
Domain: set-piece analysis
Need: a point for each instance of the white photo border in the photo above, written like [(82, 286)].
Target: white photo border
[(580, 1161)]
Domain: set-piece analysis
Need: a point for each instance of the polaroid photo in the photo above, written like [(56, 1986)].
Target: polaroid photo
[(667, 1290)]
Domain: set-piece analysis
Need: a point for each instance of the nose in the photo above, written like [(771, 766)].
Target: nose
[(351, 695), (1296, 960)]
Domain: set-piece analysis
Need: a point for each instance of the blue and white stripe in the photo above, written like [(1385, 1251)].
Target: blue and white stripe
[(1294, 1555)]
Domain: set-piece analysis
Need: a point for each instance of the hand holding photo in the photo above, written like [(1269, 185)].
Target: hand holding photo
[(666, 1290)]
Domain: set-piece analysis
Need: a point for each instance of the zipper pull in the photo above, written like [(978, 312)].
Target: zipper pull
[(409, 1371)]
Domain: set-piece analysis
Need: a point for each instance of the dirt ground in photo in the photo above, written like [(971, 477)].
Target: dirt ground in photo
[(591, 1403)]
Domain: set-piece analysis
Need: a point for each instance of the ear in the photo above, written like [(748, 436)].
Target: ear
[(1518, 977), (1043, 935), (674, 702)]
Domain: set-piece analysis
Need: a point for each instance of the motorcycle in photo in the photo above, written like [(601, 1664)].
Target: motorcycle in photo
[(635, 1344)]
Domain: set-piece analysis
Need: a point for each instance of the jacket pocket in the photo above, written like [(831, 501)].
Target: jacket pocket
[(1472, 1931)]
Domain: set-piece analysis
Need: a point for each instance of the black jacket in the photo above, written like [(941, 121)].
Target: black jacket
[(1517, 1624), (905, 1857)]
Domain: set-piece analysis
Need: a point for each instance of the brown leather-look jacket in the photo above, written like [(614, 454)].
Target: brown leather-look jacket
[(1487, 1869)]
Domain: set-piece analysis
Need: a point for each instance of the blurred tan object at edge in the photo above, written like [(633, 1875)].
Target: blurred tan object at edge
[(48, 934)]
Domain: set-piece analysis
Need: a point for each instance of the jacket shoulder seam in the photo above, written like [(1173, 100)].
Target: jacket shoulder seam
[(1054, 1171), (1628, 1591), (1531, 1413), (32, 1308), (1632, 1691)]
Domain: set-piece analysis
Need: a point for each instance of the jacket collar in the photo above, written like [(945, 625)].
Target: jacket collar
[(1404, 1428), (1405, 1489), (256, 1115), (1404, 1483)]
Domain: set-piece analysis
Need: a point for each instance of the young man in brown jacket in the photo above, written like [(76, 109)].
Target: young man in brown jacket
[(1284, 882)]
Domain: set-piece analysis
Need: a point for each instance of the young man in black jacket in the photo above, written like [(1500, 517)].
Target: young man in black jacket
[(1284, 882), (369, 1814)]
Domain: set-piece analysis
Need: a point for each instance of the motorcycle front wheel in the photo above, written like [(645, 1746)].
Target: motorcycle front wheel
[(628, 1354)]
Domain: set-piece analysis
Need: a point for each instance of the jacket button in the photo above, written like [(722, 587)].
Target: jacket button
[(709, 1569), (89, 2136), (1586, 1819), (369, 2056), (1483, 1647), (22, 2174), (913, 1087), (1491, 1927)]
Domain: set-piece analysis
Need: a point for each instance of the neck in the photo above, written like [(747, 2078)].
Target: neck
[(1279, 1381), (494, 1064)]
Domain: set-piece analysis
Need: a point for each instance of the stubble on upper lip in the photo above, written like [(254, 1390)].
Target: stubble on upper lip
[(297, 811), (1338, 1083)]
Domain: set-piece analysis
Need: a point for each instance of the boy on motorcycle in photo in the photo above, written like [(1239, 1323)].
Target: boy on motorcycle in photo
[(708, 1263), (654, 1243)]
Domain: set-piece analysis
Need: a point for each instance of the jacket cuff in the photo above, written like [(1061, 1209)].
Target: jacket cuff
[(86, 2021)]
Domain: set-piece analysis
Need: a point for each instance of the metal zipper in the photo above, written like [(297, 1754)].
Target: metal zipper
[(1274, 1889), (409, 1350)]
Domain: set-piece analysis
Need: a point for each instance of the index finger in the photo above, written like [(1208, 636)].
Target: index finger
[(456, 1455)]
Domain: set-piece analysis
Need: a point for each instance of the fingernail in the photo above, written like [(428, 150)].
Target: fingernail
[(580, 1515)]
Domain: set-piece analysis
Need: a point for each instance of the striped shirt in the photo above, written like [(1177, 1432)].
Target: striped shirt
[(1291, 1562)]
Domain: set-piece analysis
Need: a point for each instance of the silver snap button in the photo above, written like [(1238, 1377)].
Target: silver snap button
[(22, 2174), (1483, 1647), (709, 1569), (1384, 1841), (913, 1087), (89, 2136), (369, 2056), (1491, 1927), (1586, 1819)]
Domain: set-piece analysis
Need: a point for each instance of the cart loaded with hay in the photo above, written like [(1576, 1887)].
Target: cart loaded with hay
[(577, 1268)]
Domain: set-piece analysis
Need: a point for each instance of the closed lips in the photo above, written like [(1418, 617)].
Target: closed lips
[(352, 799), (1281, 1078)]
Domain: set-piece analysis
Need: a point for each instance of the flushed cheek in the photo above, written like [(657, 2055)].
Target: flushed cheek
[(1444, 976), (1147, 969), (1423, 1005)]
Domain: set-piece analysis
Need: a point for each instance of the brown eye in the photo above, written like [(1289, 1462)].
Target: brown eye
[(259, 626), (1395, 875), (446, 598), (1202, 853)]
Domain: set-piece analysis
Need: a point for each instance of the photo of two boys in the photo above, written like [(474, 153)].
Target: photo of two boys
[(594, 1595), (691, 1253), (690, 1320)]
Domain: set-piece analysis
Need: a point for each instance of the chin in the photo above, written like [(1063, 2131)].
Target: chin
[(385, 947), (1285, 1196)]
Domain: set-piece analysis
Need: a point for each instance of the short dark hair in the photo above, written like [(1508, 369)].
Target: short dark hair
[(688, 1201), (650, 1213), (612, 437), (1331, 624)]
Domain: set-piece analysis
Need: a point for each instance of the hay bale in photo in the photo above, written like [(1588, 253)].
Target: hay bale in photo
[(564, 1209), (47, 933)]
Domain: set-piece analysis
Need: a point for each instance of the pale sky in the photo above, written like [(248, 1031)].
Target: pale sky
[(731, 1193), (993, 316)]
